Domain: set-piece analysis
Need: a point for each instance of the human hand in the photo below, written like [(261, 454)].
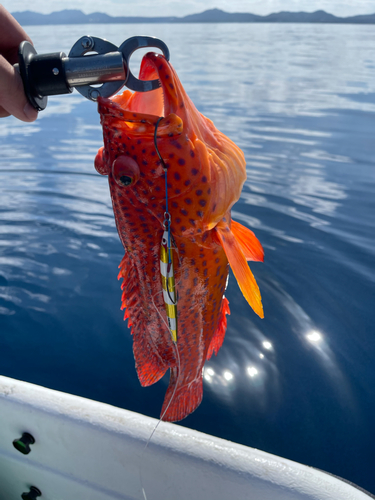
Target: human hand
[(13, 100)]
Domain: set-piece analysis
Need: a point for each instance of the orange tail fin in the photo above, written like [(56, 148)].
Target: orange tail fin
[(236, 256), (186, 397)]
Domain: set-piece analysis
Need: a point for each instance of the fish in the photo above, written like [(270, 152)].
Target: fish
[(200, 175)]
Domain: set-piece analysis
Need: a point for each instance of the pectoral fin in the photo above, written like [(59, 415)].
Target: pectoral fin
[(249, 243), (237, 252)]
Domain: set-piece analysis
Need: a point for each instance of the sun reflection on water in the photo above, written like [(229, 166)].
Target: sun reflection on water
[(252, 371), (267, 345), (223, 379), (314, 337), (254, 363)]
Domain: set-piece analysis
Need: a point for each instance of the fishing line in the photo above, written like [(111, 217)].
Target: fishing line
[(170, 401), (157, 310), (159, 421), (167, 227), (167, 215)]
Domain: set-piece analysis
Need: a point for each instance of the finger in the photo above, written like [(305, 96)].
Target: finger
[(12, 95), (11, 35)]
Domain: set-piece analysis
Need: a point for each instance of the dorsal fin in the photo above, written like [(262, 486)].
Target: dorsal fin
[(150, 366)]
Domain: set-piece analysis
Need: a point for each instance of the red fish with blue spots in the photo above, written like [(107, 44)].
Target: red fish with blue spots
[(206, 172)]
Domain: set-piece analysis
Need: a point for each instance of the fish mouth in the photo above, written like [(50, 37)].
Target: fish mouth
[(139, 112)]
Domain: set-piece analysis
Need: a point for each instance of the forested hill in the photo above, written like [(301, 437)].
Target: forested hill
[(208, 16)]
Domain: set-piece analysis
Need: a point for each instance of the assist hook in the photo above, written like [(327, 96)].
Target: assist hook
[(107, 64)]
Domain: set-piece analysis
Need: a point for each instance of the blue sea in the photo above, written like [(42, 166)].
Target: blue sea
[(300, 101)]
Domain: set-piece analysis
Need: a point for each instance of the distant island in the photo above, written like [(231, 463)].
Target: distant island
[(209, 16)]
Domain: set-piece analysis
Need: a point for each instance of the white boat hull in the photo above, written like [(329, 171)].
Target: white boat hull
[(85, 450)]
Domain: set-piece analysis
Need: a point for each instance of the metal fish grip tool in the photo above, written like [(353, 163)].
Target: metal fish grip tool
[(106, 64)]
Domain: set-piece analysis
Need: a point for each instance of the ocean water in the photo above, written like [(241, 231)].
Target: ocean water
[(300, 101)]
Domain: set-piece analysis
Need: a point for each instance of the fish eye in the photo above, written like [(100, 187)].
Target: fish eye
[(125, 171), (125, 180)]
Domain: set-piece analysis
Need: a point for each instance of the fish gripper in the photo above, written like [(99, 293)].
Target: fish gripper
[(91, 61)]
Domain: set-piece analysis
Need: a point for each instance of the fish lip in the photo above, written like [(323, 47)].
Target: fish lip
[(156, 66), (137, 105)]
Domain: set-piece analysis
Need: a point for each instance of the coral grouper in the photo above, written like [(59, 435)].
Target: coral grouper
[(205, 174)]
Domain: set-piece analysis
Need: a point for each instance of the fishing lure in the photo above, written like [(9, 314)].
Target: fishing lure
[(168, 284)]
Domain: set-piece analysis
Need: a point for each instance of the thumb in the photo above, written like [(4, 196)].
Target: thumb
[(12, 96)]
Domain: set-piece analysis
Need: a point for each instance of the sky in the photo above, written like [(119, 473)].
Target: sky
[(183, 7)]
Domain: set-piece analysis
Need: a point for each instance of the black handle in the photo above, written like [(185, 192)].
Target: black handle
[(42, 75)]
